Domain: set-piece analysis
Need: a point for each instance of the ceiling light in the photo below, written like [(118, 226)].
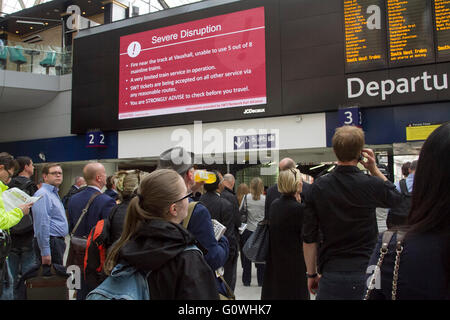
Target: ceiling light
[(30, 22)]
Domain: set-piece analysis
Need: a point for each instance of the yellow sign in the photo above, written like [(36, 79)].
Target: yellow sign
[(415, 133)]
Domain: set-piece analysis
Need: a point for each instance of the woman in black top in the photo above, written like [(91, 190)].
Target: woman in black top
[(285, 273), (424, 269)]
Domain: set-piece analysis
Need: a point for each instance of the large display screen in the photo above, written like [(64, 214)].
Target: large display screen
[(410, 32), (442, 16), (213, 63), (365, 45)]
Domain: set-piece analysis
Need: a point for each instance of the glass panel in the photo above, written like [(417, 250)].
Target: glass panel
[(35, 58)]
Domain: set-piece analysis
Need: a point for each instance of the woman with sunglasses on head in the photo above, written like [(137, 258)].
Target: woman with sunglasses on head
[(8, 219), (285, 273), (154, 240)]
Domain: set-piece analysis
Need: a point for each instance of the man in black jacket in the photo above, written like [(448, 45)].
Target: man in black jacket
[(342, 206), (21, 257), (228, 194), (222, 210)]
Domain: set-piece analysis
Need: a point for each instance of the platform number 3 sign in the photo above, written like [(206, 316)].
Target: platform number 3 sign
[(350, 116)]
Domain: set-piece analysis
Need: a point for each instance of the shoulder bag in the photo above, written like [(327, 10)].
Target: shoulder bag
[(387, 236), (77, 247), (243, 210), (256, 248)]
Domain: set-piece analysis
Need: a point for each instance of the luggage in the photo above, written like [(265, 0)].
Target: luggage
[(47, 283)]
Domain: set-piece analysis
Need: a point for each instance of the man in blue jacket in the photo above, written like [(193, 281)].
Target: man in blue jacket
[(200, 224), (100, 208)]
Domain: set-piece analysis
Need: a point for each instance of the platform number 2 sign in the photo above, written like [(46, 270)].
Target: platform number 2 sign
[(95, 139)]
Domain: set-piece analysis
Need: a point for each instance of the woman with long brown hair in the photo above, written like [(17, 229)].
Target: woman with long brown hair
[(154, 242)]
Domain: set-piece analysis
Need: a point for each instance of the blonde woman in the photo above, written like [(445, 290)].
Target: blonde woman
[(284, 276), (255, 201), (154, 240)]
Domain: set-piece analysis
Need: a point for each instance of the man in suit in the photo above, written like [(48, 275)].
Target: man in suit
[(79, 182), (100, 208), (111, 188)]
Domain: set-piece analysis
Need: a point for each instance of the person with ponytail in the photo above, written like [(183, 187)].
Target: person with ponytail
[(154, 240)]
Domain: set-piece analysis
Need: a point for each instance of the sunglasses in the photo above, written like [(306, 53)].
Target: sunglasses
[(186, 196)]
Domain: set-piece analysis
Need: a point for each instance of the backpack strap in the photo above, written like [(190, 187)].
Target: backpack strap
[(84, 211), (191, 208)]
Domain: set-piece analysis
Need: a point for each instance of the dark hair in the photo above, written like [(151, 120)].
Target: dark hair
[(430, 198), (405, 168), (22, 162), (8, 161), (211, 187), (109, 182)]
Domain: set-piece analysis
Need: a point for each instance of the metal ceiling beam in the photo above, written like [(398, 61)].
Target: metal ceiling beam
[(22, 4), (163, 4)]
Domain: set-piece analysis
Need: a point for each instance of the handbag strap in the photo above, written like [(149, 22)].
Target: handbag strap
[(398, 250), (84, 211), (387, 236)]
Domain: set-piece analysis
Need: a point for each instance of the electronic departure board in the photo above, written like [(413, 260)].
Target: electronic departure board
[(365, 42), (442, 16), (394, 33), (410, 30)]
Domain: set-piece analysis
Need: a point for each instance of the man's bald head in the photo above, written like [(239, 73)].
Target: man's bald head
[(95, 174), (286, 163), (228, 180)]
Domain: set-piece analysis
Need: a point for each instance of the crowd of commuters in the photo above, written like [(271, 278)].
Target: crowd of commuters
[(322, 236)]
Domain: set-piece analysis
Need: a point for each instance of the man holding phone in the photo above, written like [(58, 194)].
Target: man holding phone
[(342, 206)]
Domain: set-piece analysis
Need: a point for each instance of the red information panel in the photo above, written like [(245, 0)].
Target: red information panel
[(213, 63)]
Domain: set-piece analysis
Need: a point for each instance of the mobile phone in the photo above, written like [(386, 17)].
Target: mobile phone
[(360, 157)]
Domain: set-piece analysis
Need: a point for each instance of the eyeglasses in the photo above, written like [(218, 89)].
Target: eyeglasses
[(186, 196), (56, 173)]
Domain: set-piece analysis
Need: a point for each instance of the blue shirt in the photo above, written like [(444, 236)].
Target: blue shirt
[(409, 183), (49, 217)]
